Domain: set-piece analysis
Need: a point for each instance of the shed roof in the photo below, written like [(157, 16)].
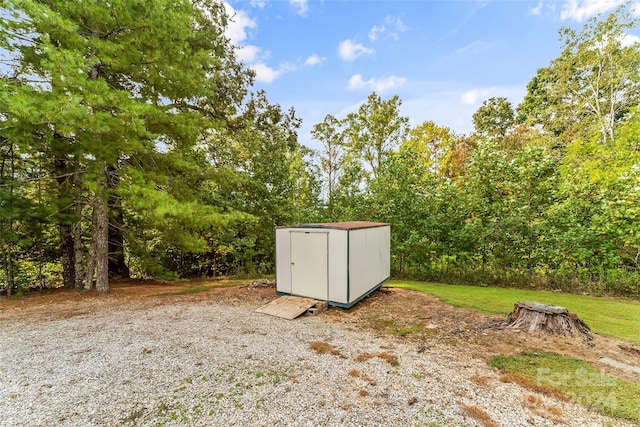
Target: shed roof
[(346, 225)]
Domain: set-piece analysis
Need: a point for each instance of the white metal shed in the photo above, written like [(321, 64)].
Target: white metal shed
[(339, 262)]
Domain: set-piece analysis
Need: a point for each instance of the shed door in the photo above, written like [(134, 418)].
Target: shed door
[(309, 264)]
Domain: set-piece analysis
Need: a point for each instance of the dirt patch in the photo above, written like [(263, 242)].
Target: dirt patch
[(65, 303), (322, 347), (537, 406), (391, 359), (481, 416), (538, 388), (409, 315), (425, 320)]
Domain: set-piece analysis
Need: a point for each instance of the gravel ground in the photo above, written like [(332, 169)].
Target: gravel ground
[(211, 364)]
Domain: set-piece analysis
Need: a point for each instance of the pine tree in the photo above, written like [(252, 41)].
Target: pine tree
[(111, 88)]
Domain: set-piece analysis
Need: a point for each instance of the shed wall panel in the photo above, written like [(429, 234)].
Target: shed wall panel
[(337, 248), (283, 261), (338, 266), (369, 259)]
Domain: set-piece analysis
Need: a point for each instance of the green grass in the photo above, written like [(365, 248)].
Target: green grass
[(605, 316), (194, 289), (577, 380)]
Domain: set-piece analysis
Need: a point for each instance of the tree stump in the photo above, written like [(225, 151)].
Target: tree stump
[(533, 316)]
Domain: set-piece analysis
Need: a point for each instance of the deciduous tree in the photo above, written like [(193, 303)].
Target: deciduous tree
[(494, 118), (591, 85), (375, 131), (330, 133)]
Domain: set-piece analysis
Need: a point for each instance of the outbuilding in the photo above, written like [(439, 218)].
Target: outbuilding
[(339, 262)]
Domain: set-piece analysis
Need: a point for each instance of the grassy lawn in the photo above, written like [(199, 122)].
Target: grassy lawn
[(605, 316)]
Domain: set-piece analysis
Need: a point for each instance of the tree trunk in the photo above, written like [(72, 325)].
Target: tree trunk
[(91, 256), (78, 246), (78, 256), (98, 258), (533, 316), (61, 167), (117, 265), (101, 239), (91, 267), (68, 256)]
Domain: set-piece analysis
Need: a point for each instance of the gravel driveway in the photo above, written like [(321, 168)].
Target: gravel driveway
[(206, 363)]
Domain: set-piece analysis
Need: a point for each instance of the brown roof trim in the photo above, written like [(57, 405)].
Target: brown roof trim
[(346, 225)]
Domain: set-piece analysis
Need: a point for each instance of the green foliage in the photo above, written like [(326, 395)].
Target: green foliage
[(24, 209), (417, 204), (434, 146), (123, 86), (550, 202), (354, 152), (145, 106), (332, 159), (589, 88), (621, 216), (374, 132), (152, 93), (494, 117), (267, 175), (577, 380), (507, 198)]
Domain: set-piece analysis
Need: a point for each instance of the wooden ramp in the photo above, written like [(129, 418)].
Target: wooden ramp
[(287, 307)]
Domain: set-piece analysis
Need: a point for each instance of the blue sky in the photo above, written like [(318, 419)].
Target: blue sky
[(442, 58)]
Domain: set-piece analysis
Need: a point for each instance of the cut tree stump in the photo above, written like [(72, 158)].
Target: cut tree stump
[(533, 316)]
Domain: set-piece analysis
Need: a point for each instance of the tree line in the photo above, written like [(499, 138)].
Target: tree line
[(132, 144)]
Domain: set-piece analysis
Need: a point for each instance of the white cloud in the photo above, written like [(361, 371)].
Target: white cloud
[(392, 26), (314, 60), (375, 31), (396, 26), (579, 10), (260, 4), (247, 53), (266, 74), (628, 40), (301, 6), (349, 50), (542, 8), (537, 10), (474, 96), (624, 39), (238, 24), (236, 31), (635, 9), (255, 57), (379, 85)]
